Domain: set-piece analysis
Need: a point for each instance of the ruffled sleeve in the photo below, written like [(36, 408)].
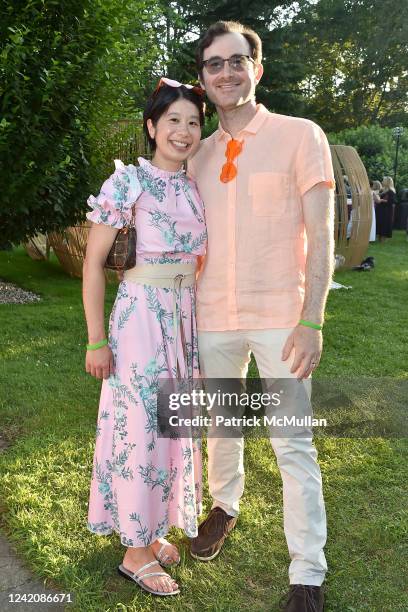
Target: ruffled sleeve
[(113, 205)]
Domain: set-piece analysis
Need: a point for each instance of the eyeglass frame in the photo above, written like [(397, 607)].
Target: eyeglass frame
[(248, 57)]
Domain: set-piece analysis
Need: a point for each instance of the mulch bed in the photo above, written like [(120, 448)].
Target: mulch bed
[(12, 294)]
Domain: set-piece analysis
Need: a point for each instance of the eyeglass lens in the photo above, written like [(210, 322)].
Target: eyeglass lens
[(238, 63)]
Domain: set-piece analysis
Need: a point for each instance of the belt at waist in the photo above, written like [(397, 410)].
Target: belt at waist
[(168, 276)]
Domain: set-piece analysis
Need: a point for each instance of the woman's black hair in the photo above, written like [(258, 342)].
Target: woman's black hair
[(161, 99)]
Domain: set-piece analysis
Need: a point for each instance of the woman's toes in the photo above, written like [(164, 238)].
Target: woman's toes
[(170, 585), (164, 585), (174, 555)]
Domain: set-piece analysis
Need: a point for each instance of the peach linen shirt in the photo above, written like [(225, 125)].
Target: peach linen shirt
[(253, 273)]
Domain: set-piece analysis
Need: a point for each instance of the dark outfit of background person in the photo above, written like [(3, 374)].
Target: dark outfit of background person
[(384, 214)]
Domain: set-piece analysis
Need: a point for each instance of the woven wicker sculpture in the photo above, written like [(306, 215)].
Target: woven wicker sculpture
[(125, 141), (69, 246), (352, 219), (38, 247)]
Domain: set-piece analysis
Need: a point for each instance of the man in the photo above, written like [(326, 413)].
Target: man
[(267, 185)]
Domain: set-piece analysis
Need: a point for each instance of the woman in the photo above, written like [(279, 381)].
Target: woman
[(143, 484), (375, 193), (385, 209)]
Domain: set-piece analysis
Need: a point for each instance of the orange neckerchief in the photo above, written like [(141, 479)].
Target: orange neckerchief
[(229, 170)]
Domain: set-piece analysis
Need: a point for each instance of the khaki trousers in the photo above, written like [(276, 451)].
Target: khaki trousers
[(226, 354)]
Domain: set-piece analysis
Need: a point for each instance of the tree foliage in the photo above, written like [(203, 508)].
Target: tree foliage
[(54, 82), (354, 53), (341, 63)]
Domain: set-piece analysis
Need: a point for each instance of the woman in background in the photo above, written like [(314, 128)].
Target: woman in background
[(375, 192), (385, 209)]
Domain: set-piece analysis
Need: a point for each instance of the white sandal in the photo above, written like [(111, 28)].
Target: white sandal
[(135, 577), (161, 556)]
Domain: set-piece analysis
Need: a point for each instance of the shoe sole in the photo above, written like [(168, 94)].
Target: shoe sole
[(205, 558)]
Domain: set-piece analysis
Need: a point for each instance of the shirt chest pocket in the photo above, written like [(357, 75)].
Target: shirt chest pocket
[(269, 193)]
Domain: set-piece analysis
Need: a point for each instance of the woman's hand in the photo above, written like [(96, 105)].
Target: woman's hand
[(99, 363)]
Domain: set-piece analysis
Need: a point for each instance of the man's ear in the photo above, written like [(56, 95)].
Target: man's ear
[(201, 81), (258, 72), (151, 128)]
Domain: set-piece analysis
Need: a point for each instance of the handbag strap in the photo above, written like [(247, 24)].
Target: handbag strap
[(133, 217), (132, 222)]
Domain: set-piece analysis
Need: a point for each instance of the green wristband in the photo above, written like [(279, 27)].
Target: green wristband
[(310, 324), (97, 345)]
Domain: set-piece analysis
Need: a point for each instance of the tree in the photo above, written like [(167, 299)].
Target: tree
[(341, 63), (54, 74), (355, 53)]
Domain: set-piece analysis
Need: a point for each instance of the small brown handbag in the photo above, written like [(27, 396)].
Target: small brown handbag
[(122, 255)]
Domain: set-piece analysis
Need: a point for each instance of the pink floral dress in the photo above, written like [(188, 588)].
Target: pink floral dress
[(143, 484)]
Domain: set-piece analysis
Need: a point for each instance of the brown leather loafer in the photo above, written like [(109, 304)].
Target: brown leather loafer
[(211, 535), (303, 598)]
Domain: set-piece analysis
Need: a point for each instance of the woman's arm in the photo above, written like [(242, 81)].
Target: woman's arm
[(98, 363)]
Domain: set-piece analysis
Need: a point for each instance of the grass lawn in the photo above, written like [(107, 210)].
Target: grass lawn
[(48, 408)]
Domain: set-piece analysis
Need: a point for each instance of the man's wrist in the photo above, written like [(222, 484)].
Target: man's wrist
[(311, 324), (315, 316)]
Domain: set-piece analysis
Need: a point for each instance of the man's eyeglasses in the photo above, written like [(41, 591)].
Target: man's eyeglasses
[(237, 63)]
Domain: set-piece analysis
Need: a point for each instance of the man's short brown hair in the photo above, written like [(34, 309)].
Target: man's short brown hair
[(226, 27)]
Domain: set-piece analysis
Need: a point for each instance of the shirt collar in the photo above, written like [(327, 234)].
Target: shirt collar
[(252, 127), (159, 172)]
